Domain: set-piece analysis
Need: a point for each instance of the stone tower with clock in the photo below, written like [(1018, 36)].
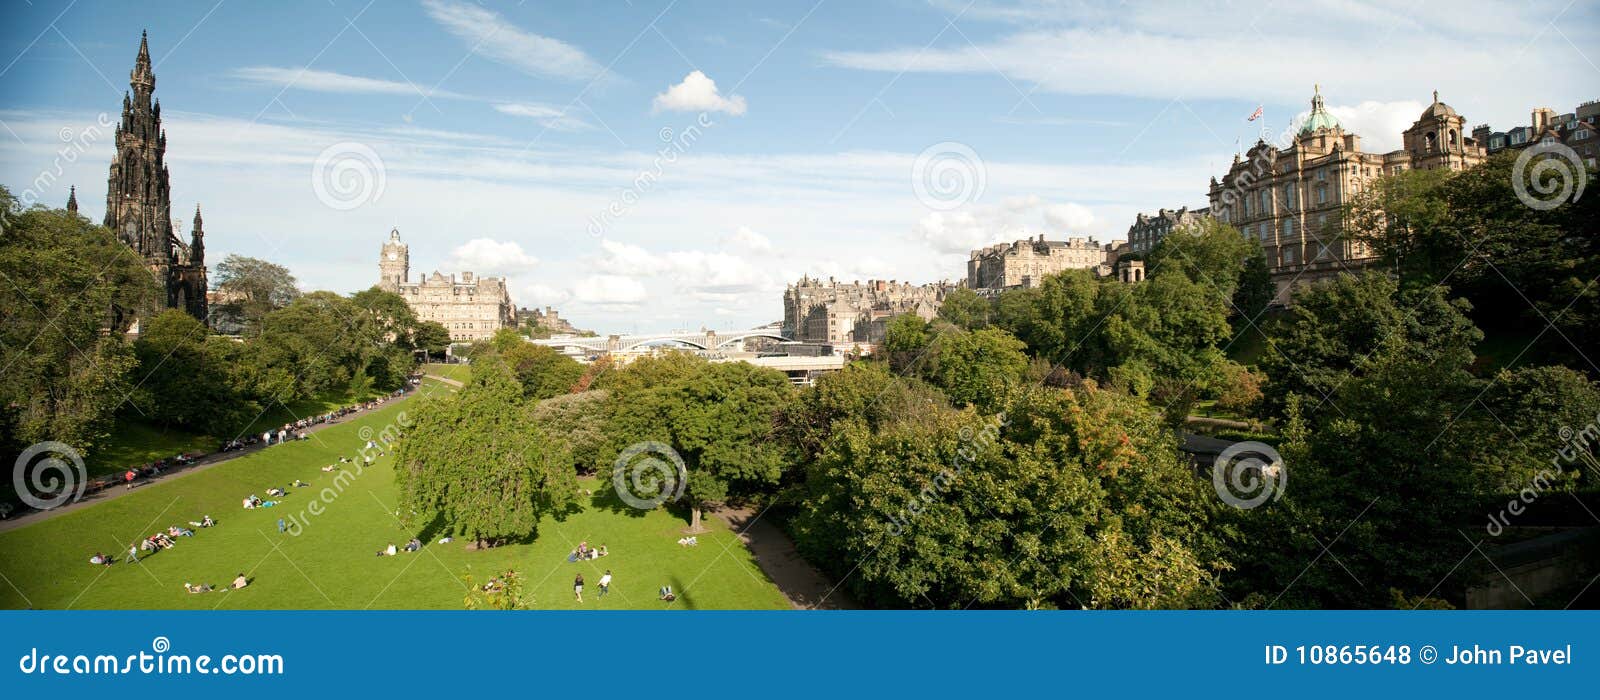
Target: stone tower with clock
[(394, 263)]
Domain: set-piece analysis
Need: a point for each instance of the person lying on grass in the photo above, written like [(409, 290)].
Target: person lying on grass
[(202, 588)]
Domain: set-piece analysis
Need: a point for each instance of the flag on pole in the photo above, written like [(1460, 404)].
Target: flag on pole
[(1255, 115)]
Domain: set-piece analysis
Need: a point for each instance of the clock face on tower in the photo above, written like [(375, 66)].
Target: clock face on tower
[(394, 255)]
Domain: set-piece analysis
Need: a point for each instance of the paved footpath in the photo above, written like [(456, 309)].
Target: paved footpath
[(806, 588), (199, 465)]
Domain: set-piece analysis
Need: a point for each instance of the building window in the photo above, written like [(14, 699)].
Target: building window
[(1288, 229), (1580, 135), (1322, 194), (1497, 142)]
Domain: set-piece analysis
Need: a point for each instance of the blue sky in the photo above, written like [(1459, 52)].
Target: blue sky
[(773, 139)]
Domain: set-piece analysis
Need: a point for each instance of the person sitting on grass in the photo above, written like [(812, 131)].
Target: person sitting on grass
[(388, 551), (331, 468), (176, 531), (414, 545), (601, 552), (275, 491), (300, 484), (688, 541), (99, 558), (665, 593), (240, 582)]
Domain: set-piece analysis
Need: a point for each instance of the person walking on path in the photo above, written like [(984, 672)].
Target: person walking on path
[(133, 553), (577, 587), (605, 584)]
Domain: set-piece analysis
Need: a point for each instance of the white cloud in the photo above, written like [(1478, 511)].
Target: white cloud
[(537, 295), (703, 274), (1378, 123), (327, 81), (548, 116), (495, 38), (697, 93), (973, 227), (1233, 51), (610, 291), (745, 239), (1068, 217), (486, 256)]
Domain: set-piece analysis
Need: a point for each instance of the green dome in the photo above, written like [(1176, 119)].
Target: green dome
[(1319, 117)]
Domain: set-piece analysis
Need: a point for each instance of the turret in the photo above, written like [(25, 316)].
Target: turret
[(72, 200), (143, 77), (197, 240)]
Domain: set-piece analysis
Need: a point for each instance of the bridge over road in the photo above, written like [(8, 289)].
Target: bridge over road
[(704, 340)]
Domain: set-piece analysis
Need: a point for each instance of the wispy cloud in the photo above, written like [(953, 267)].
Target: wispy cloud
[(492, 36), (329, 81), (548, 116)]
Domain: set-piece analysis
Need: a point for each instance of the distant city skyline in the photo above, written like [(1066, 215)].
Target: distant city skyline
[(510, 137)]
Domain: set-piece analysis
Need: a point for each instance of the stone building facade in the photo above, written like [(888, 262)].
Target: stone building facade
[(841, 314), (1027, 262), (471, 308), (139, 197), (1147, 231), (549, 319), (1578, 130), (1289, 199)]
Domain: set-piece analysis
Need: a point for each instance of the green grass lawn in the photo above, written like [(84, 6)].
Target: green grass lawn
[(460, 373), (136, 442), (331, 563)]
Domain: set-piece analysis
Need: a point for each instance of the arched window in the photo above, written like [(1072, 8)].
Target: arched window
[(1428, 141), (1452, 138)]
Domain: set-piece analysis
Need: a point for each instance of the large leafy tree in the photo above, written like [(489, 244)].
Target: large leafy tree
[(578, 423), (183, 379), (977, 367), (720, 418), (1336, 326), (963, 307), (1520, 267), (474, 464), (71, 289), (1053, 502), (250, 288), (543, 372)]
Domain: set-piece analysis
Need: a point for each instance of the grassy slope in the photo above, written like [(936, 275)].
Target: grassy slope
[(331, 563), (460, 373)]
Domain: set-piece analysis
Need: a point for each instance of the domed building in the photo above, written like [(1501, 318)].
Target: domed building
[(1289, 198), (1438, 139)]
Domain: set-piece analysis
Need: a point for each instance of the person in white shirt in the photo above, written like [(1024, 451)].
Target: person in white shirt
[(605, 584)]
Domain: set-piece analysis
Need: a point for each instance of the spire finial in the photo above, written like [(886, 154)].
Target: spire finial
[(1436, 97), (72, 199)]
